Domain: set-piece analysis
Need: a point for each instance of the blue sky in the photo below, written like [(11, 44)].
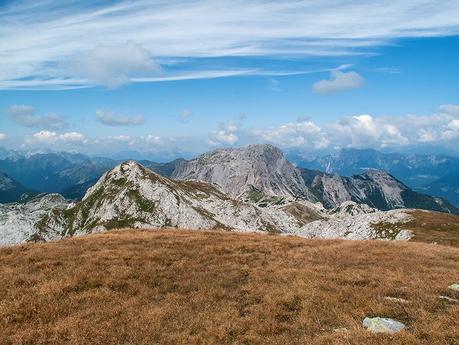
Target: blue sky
[(189, 76)]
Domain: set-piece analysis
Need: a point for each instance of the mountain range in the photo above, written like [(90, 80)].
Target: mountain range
[(254, 188), (432, 174), (71, 174)]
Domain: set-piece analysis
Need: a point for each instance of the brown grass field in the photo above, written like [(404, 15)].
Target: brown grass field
[(211, 287), (441, 228)]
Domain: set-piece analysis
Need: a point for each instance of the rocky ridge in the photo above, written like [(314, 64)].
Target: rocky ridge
[(135, 197), (359, 222), (376, 188)]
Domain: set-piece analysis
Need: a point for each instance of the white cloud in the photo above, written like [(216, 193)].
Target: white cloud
[(440, 129), (339, 81), (73, 137), (44, 137), (450, 109), (111, 119), (303, 133), (41, 39), (358, 131), (2, 136), (426, 135), (226, 134), (451, 130), (367, 131), (115, 65), (50, 137), (25, 115), (153, 139), (120, 138)]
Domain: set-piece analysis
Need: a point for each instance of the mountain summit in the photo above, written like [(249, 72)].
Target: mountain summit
[(235, 170)]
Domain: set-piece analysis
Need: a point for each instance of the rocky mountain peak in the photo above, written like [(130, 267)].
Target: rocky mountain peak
[(129, 173), (378, 173), (234, 170), (131, 170)]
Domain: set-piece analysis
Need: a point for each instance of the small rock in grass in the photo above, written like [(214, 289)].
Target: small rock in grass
[(449, 299), (454, 286), (382, 325), (341, 330), (396, 299)]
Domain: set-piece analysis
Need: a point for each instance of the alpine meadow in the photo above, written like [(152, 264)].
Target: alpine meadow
[(229, 172)]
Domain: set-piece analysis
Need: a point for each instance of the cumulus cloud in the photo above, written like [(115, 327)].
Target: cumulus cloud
[(439, 129), (303, 133), (25, 115), (450, 109), (451, 130), (226, 134), (50, 137), (114, 65), (111, 119), (367, 131), (2, 136), (358, 131), (339, 81), (153, 139), (426, 135)]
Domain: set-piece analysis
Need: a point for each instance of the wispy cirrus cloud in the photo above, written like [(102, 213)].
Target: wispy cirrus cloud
[(126, 41)]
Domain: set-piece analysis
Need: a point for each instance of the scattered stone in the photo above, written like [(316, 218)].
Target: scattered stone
[(341, 330), (396, 299), (382, 325), (454, 286), (449, 299)]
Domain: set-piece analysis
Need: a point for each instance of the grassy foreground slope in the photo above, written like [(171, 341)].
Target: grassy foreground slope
[(191, 287), (426, 226), (441, 228)]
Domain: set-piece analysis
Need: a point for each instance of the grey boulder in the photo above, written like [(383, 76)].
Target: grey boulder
[(382, 325)]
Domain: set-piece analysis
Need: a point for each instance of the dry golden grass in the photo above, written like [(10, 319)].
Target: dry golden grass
[(441, 228), (190, 287)]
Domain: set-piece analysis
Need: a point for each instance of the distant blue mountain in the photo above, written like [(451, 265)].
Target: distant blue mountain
[(69, 174), (11, 190)]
